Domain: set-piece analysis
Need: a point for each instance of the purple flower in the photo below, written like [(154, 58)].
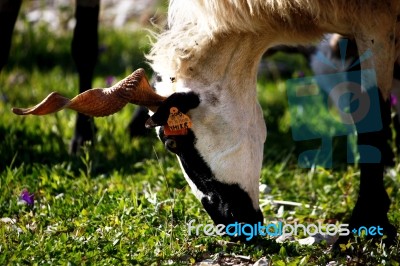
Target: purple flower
[(28, 198), (393, 99), (299, 74), (110, 81), (102, 48)]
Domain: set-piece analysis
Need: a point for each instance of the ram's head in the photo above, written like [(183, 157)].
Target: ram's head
[(226, 202)]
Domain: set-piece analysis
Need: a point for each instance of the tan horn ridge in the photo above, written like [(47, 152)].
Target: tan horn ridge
[(101, 102)]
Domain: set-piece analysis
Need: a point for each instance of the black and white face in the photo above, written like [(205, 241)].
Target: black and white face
[(220, 159)]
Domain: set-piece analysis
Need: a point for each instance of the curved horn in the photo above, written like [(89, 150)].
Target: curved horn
[(101, 102)]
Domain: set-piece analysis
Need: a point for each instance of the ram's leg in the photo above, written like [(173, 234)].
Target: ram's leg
[(8, 15), (396, 102), (373, 202), (84, 52), (396, 125)]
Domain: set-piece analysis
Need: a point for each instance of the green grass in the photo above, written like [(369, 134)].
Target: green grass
[(125, 201)]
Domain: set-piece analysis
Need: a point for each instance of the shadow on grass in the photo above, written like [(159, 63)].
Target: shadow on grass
[(27, 146)]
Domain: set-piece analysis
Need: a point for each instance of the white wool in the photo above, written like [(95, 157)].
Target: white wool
[(213, 47)]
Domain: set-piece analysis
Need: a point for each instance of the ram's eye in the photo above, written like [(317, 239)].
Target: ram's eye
[(171, 145)]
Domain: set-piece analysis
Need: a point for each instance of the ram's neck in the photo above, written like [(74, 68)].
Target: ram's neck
[(224, 76)]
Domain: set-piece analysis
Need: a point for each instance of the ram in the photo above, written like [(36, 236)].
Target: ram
[(207, 65)]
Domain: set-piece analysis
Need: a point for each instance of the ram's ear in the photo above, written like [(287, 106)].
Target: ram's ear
[(183, 101)]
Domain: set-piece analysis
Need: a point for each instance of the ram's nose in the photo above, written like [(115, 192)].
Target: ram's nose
[(230, 206)]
